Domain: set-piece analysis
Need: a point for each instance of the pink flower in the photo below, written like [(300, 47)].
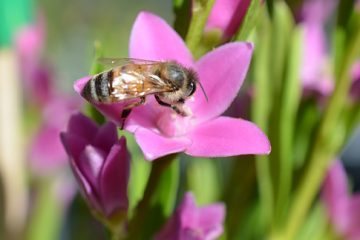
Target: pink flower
[(190, 222), (318, 11), (315, 69), (343, 209), (100, 163), (159, 130), (37, 76), (46, 151), (227, 16)]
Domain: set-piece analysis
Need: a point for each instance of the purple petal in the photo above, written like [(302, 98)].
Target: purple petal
[(221, 73), (211, 220), (318, 11), (80, 84), (90, 164), (226, 136), (314, 73), (114, 179), (182, 221), (335, 196), (106, 137), (154, 145), (153, 39), (353, 231), (73, 144), (86, 188), (82, 126)]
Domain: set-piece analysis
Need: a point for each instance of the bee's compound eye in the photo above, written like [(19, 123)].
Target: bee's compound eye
[(191, 88), (177, 75)]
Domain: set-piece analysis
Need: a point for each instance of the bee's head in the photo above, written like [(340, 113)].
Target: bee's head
[(184, 79)]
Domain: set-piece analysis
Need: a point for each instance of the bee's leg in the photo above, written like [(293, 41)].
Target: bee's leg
[(127, 110), (175, 108)]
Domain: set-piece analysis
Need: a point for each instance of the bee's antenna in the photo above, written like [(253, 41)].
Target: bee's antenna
[(203, 90)]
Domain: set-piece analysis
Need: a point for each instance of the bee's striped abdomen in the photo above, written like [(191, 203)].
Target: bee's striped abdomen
[(97, 89)]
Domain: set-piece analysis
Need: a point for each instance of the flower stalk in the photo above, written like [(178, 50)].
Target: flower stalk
[(200, 13), (157, 169)]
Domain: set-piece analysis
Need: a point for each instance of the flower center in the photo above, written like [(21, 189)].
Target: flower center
[(173, 125)]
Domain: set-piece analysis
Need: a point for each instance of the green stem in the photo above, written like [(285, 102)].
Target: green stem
[(323, 150), (200, 13), (142, 208), (260, 115), (47, 212)]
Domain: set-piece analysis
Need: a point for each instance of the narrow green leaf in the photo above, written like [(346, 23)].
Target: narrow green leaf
[(260, 113), (288, 112), (249, 20), (203, 180), (46, 212), (315, 224), (182, 10), (139, 173), (158, 199)]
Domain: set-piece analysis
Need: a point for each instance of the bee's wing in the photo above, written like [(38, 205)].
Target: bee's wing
[(132, 84), (115, 62)]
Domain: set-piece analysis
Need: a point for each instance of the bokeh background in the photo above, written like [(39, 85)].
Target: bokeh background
[(71, 30)]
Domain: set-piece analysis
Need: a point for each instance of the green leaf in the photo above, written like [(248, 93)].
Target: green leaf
[(315, 224), (203, 180), (46, 212), (288, 112), (139, 173), (249, 20), (260, 113), (182, 10), (158, 199)]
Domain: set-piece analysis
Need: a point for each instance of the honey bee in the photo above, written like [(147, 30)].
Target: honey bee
[(170, 83)]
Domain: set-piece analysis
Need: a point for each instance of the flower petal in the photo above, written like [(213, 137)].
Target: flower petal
[(211, 220), (82, 126), (106, 137), (114, 179), (335, 196), (86, 188), (153, 39), (221, 72), (227, 15), (226, 136), (154, 145), (90, 164)]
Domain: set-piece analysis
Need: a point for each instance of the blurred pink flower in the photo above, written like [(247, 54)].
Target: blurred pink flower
[(100, 163), (227, 16), (37, 76), (46, 151), (318, 11), (158, 130), (190, 222), (343, 209), (315, 69)]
